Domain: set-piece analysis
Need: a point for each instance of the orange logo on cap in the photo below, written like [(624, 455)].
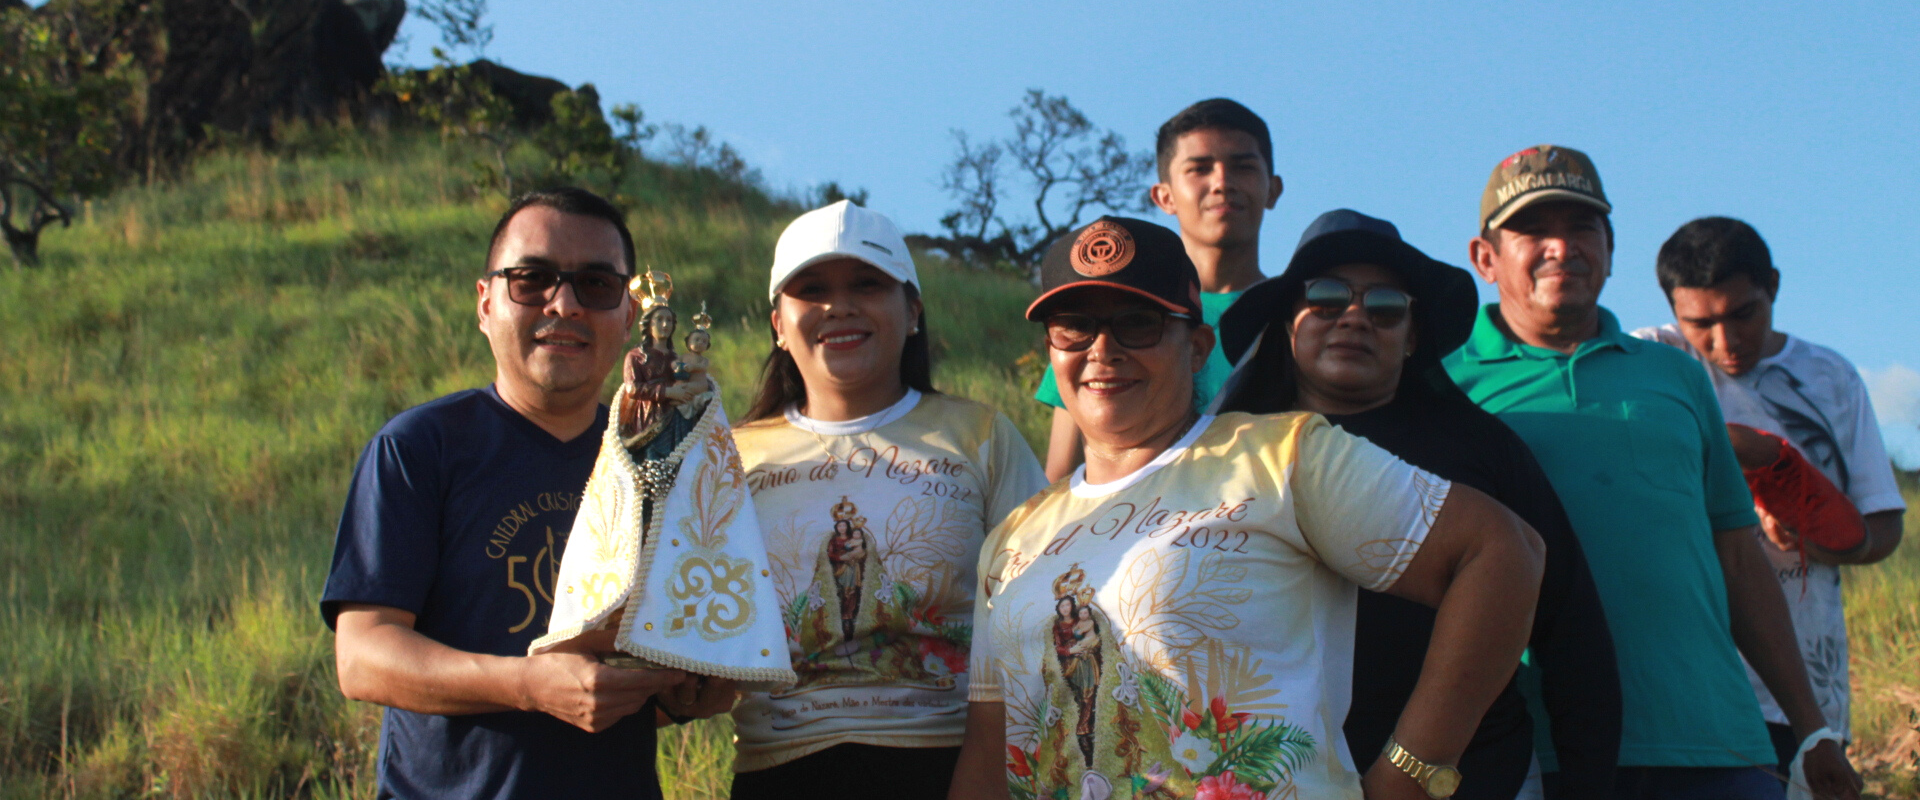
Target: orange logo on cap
[(1103, 248)]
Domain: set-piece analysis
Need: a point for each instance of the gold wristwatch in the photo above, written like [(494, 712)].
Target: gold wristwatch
[(1439, 781)]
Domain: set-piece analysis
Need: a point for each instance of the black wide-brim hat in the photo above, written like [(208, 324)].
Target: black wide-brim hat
[(1444, 299)]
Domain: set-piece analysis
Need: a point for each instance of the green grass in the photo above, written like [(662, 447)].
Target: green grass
[(191, 374), (1883, 625), (189, 377)]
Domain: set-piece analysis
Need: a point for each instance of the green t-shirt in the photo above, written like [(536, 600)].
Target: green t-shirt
[(1205, 385), (1630, 434)]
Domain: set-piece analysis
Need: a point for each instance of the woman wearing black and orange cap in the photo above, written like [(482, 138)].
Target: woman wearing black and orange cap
[(1176, 618)]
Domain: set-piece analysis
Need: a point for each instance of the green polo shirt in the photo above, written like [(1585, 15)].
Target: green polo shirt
[(1629, 432), (1205, 385)]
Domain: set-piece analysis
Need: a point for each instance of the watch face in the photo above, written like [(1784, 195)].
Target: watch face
[(1443, 783)]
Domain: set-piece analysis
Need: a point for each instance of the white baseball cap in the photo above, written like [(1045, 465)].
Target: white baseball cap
[(841, 230)]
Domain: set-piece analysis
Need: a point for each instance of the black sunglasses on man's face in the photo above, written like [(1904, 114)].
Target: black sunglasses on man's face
[(597, 289)]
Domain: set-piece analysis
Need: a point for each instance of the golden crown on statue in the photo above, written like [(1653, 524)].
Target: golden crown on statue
[(703, 320), (652, 288)]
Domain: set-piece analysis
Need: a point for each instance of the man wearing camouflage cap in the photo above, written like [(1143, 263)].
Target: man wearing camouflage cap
[(1630, 434)]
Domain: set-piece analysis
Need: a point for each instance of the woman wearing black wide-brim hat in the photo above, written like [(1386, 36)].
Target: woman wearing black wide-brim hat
[(1355, 330)]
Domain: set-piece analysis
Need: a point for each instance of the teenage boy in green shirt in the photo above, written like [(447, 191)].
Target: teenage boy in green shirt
[(1216, 172), (1630, 434)]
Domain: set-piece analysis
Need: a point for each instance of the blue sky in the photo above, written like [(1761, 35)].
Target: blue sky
[(1797, 118)]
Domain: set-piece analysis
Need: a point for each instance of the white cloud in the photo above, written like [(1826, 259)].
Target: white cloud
[(1896, 401)]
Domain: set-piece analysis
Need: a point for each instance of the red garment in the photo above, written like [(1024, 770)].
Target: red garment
[(649, 372), (1793, 491)]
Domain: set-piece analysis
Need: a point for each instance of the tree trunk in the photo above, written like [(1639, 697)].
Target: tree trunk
[(25, 245)]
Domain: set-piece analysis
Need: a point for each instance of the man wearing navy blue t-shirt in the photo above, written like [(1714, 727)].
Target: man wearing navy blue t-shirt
[(443, 571)]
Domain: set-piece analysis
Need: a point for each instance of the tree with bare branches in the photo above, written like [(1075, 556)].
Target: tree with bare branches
[(1072, 168)]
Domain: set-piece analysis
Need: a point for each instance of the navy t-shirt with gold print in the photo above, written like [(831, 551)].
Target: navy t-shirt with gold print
[(459, 512)]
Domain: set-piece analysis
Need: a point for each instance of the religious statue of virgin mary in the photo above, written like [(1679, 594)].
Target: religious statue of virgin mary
[(665, 548)]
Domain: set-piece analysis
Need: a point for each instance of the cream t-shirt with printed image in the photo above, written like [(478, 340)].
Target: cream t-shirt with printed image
[(1188, 629), (873, 529)]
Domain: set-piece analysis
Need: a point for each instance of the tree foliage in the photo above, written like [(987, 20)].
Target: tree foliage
[(831, 192), (579, 142), (62, 109), (1070, 167), (575, 145), (634, 127), (458, 101), (461, 23), (699, 149), (456, 98)]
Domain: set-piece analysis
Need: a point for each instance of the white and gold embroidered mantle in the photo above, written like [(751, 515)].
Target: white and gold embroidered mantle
[(694, 584)]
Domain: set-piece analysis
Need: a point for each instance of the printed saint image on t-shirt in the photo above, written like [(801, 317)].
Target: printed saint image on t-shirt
[(1106, 713), (873, 529), (883, 605), (1188, 630)]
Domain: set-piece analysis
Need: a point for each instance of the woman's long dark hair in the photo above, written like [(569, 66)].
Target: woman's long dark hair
[(782, 386)]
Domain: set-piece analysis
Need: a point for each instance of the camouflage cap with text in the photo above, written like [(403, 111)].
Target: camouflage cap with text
[(1537, 174)]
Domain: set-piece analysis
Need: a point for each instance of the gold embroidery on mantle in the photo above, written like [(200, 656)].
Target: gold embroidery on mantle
[(711, 593)]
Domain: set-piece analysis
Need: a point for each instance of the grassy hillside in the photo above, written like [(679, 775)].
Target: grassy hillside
[(188, 380), (191, 374), (1883, 621)]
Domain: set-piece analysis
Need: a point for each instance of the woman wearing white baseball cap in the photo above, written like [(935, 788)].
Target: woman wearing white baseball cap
[(874, 492)]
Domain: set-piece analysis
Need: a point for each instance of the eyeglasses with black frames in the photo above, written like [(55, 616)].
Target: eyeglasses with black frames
[(1134, 329), (597, 289)]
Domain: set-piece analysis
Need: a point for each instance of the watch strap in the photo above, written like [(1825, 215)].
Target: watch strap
[(1421, 772)]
